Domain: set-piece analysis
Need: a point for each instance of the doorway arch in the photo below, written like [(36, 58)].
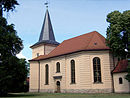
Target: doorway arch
[(58, 86)]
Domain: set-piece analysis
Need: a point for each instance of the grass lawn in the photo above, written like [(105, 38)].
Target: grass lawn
[(65, 95)]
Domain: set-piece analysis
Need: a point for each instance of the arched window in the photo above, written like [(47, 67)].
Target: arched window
[(57, 67), (46, 74), (120, 81), (72, 71), (97, 70)]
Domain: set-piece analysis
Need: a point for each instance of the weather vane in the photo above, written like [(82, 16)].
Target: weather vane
[(46, 4)]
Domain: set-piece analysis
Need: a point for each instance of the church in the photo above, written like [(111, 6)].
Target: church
[(83, 64)]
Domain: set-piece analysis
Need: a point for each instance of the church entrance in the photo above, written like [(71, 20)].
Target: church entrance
[(58, 86)]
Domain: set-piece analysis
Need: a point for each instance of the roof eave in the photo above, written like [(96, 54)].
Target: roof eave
[(40, 43), (119, 72), (71, 53)]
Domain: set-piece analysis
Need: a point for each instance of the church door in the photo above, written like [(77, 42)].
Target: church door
[(58, 86)]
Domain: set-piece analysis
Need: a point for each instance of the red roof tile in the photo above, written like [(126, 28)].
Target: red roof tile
[(121, 66), (88, 41)]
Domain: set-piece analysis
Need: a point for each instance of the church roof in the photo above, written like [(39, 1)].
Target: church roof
[(47, 34), (121, 66), (86, 42)]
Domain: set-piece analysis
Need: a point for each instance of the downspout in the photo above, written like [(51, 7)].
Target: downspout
[(112, 74), (113, 90), (65, 72), (39, 76)]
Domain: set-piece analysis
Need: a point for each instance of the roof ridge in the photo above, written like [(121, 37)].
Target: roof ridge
[(101, 36), (80, 35)]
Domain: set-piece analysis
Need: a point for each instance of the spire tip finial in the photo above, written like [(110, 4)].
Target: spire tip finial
[(46, 4)]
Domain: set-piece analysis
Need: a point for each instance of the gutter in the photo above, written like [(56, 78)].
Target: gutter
[(112, 73), (39, 77)]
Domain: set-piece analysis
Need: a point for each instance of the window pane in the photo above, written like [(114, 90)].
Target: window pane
[(97, 69), (72, 71), (57, 67), (95, 79), (120, 81), (99, 79), (46, 74)]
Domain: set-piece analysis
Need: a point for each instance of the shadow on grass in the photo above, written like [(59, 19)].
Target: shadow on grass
[(66, 95), (21, 95)]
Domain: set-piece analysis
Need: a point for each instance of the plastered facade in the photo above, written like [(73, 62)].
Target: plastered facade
[(83, 73), (42, 49), (121, 88)]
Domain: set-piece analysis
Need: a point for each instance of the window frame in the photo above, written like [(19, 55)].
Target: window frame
[(97, 76), (120, 80), (58, 67), (73, 76), (46, 74)]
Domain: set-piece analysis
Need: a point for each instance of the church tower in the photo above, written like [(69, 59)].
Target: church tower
[(46, 42)]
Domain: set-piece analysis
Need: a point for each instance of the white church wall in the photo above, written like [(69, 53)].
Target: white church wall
[(106, 83), (50, 81), (33, 85), (121, 88), (37, 49), (49, 48), (52, 72), (83, 73), (42, 50)]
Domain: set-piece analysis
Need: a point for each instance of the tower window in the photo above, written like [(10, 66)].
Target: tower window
[(46, 74), (57, 67), (97, 70), (120, 81), (37, 54), (72, 71)]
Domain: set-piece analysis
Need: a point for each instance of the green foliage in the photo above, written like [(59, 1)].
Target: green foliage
[(10, 43), (118, 33), (128, 70), (13, 74), (7, 5), (13, 71)]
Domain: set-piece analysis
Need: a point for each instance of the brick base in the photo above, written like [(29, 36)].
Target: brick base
[(75, 90), (33, 90), (87, 91), (42, 90)]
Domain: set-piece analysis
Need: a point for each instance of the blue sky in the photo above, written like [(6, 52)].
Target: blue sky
[(69, 18)]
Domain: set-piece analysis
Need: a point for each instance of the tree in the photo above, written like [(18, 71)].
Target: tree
[(118, 36), (10, 43), (118, 33), (13, 74), (7, 5), (12, 70)]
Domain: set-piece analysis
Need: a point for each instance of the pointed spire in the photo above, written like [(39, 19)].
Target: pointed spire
[(47, 30), (47, 34)]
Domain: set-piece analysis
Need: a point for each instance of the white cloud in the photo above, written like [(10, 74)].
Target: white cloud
[(20, 55)]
